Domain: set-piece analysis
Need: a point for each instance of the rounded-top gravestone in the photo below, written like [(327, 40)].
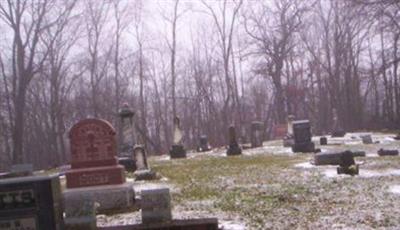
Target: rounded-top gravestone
[(93, 155), (93, 144)]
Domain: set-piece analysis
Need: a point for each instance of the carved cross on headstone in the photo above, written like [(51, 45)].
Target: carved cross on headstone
[(92, 151)]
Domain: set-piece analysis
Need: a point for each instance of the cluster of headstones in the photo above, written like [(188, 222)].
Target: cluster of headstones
[(95, 184), (299, 138)]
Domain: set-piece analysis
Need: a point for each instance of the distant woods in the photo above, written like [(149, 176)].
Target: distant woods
[(211, 63)]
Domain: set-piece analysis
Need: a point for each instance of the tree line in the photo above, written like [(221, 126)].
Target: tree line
[(212, 64)]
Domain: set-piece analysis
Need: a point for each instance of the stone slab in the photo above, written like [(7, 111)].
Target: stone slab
[(156, 205), (95, 176), (387, 152), (108, 197), (191, 224), (128, 163)]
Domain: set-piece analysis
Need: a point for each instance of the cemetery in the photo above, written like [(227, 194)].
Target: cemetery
[(253, 188), (199, 115)]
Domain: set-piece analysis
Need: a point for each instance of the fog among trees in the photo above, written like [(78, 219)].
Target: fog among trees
[(211, 63)]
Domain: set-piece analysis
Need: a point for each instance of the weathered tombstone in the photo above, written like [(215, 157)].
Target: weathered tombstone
[(203, 144), (387, 152), (397, 137), (128, 138), (323, 141), (143, 171), (256, 134), (288, 140), (31, 202), (94, 164), (177, 151), (156, 205), (93, 155), (366, 139), (337, 130), (302, 137), (233, 148)]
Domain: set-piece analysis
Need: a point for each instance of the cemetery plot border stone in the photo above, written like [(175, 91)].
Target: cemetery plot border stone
[(109, 197), (32, 202), (190, 224), (387, 152)]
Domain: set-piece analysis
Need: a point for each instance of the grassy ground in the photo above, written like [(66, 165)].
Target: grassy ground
[(268, 192)]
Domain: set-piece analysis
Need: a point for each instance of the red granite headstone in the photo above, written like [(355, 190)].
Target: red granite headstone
[(93, 155)]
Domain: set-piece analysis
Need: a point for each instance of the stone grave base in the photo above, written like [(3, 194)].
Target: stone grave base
[(95, 176), (303, 147), (333, 158), (193, 224), (128, 163), (108, 197), (177, 151), (233, 150), (145, 174)]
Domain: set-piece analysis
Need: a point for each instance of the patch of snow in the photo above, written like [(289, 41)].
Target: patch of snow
[(305, 165), (230, 225), (395, 189), (364, 173)]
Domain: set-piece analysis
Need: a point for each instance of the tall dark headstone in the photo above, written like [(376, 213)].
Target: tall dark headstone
[(203, 144), (302, 137), (32, 202), (125, 156), (233, 148), (177, 151)]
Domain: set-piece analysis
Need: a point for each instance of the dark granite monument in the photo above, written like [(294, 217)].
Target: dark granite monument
[(323, 141), (32, 202), (233, 147), (177, 151), (302, 137), (203, 144)]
